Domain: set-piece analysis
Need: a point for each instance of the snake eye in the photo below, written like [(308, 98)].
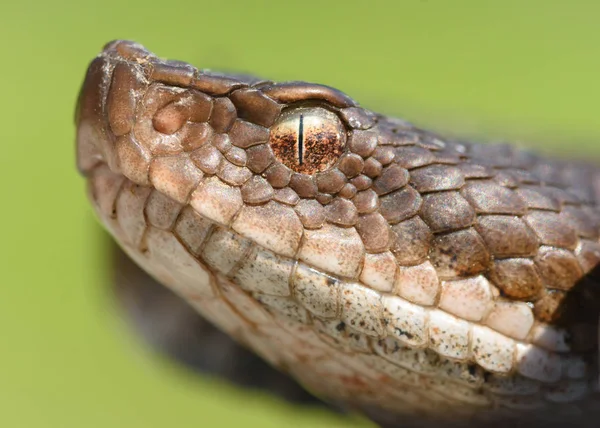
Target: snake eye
[(308, 139)]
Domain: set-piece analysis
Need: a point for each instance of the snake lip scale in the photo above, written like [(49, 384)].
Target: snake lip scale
[(384, 267)]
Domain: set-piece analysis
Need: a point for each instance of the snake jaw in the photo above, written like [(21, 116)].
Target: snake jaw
[(345, 245)]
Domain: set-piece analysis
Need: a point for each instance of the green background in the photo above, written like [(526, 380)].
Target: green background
[(510, 69)]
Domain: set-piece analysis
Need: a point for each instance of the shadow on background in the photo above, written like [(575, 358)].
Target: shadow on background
[(172, 327)]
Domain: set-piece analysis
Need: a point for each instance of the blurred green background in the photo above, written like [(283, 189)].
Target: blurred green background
[(511, 69)]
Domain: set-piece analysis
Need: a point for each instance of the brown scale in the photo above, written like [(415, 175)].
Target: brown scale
[(304, 185), (223, 115), (286, 196), (341, 212), (331, 181), (348, 191), (363, 143), (257, 190), (366, 201), (400, 205)]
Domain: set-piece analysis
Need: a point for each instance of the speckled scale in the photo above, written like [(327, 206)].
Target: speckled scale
[(490, 198), (391, 178), (278, 175), (286, 196), (374, 232), (259, 158), (362, 182), (351, 165), (413, 157), (341, 212), (366, 201), (331, 181), (311, 213), (363, 143), (446, 211), (400, 204), (257, 190), (460, 254), (411, 241), (303, 185), (436, 178), (507, 236), (517, 278)]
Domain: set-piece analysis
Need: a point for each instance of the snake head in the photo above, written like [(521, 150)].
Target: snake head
[(301, 169), (299, 156), (290, 200)]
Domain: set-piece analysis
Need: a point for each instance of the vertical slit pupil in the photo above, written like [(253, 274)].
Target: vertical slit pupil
[(301, 139)]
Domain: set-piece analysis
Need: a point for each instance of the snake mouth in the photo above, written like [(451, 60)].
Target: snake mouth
[(345, 244)]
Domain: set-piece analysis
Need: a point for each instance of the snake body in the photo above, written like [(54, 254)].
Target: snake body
[(382, 266)]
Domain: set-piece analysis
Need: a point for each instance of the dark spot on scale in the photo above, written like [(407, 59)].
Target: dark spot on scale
[(472, 369), (404, 333)]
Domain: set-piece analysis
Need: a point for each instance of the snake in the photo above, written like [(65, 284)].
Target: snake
[(419, 279)]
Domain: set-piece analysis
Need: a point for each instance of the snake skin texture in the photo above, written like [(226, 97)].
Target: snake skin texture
[(384, 267)]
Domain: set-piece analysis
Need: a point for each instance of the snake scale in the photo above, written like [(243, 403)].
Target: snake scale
[(419, 279)]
